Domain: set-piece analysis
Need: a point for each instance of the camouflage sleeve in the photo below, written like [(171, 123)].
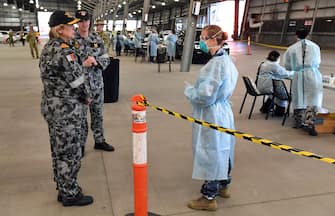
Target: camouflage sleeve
[(73, 73), (103, 57)]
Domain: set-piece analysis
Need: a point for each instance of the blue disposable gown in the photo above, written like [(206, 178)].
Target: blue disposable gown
[(307, 83), (171, 40), (153, 40), (210, 99), (270, 70), (138, 39)]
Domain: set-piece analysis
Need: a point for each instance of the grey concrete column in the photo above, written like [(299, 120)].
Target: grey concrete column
[(145, 16), (125, 17), (186, 59)]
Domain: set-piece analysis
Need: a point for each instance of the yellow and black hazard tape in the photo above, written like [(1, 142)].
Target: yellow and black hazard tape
[(242, 135)]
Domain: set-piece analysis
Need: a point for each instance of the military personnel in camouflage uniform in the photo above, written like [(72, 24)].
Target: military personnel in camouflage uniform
[(91, 45), (11, 38), (65, 97), (99, 25), (32, 40)]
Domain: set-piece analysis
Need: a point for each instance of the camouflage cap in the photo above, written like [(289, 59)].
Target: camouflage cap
[(61, 17)]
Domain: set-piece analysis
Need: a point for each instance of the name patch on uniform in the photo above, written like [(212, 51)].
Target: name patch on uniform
[(95, 45), (70, 57)]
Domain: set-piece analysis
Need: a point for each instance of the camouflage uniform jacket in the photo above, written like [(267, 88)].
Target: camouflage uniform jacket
[(92, 46), (105, 38), (62, 77), (31, 38)]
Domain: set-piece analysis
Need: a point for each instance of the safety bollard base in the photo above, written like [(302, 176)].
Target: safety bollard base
[(149, 214)]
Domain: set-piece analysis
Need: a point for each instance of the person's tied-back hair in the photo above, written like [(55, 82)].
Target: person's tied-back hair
[(215, 31)]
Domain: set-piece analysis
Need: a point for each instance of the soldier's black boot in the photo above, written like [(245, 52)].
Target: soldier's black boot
[(279, 111), (104, 146), (266, 106), (79, 200)]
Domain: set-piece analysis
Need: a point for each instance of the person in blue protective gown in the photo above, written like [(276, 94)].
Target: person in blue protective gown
[(171, 40), (138, 38), (153, 40), (303, 57), (268, 70), (213, 151)]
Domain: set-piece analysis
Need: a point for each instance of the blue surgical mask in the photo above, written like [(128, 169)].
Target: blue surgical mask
[(203, 46)]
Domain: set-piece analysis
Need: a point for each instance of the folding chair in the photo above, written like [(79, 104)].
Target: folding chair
[(280, 91), (252, 90)]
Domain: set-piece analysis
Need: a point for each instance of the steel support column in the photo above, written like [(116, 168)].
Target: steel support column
[(114, 17), (285, 25), (316, 7), (258, 35), (125, 17), (237, 7), (145, 16), (189, 40)]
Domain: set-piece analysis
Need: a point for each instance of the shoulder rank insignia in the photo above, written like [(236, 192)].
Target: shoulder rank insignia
[(64, 45), (76, 45)]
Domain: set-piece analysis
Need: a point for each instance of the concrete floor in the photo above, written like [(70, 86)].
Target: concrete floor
[(265, 181)]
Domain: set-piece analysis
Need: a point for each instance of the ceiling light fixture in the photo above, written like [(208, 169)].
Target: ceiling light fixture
[(163, 3), (5, 4)]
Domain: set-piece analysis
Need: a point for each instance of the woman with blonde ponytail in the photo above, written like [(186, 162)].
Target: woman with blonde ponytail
[(65, 97), (213, 151)]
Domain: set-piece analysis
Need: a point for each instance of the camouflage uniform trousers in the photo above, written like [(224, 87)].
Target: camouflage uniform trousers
[(96, 113), (305, 117), (33, 47), (66, 131)]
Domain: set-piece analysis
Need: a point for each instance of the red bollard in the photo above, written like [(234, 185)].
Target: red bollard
[(139, 129)]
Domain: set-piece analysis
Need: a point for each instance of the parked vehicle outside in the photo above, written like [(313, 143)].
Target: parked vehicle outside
[(4, 36)]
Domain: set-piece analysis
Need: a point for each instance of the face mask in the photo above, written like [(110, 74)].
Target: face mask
[(203, 46)]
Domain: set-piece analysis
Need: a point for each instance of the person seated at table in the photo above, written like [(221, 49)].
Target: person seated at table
[(269, 70)]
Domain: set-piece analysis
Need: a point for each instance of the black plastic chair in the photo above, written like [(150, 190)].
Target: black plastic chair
[(257, 76), (280, 91), (251, 90)]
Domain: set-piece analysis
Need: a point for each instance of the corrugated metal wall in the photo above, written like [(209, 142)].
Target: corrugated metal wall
[(10, 18), (281, 19)]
